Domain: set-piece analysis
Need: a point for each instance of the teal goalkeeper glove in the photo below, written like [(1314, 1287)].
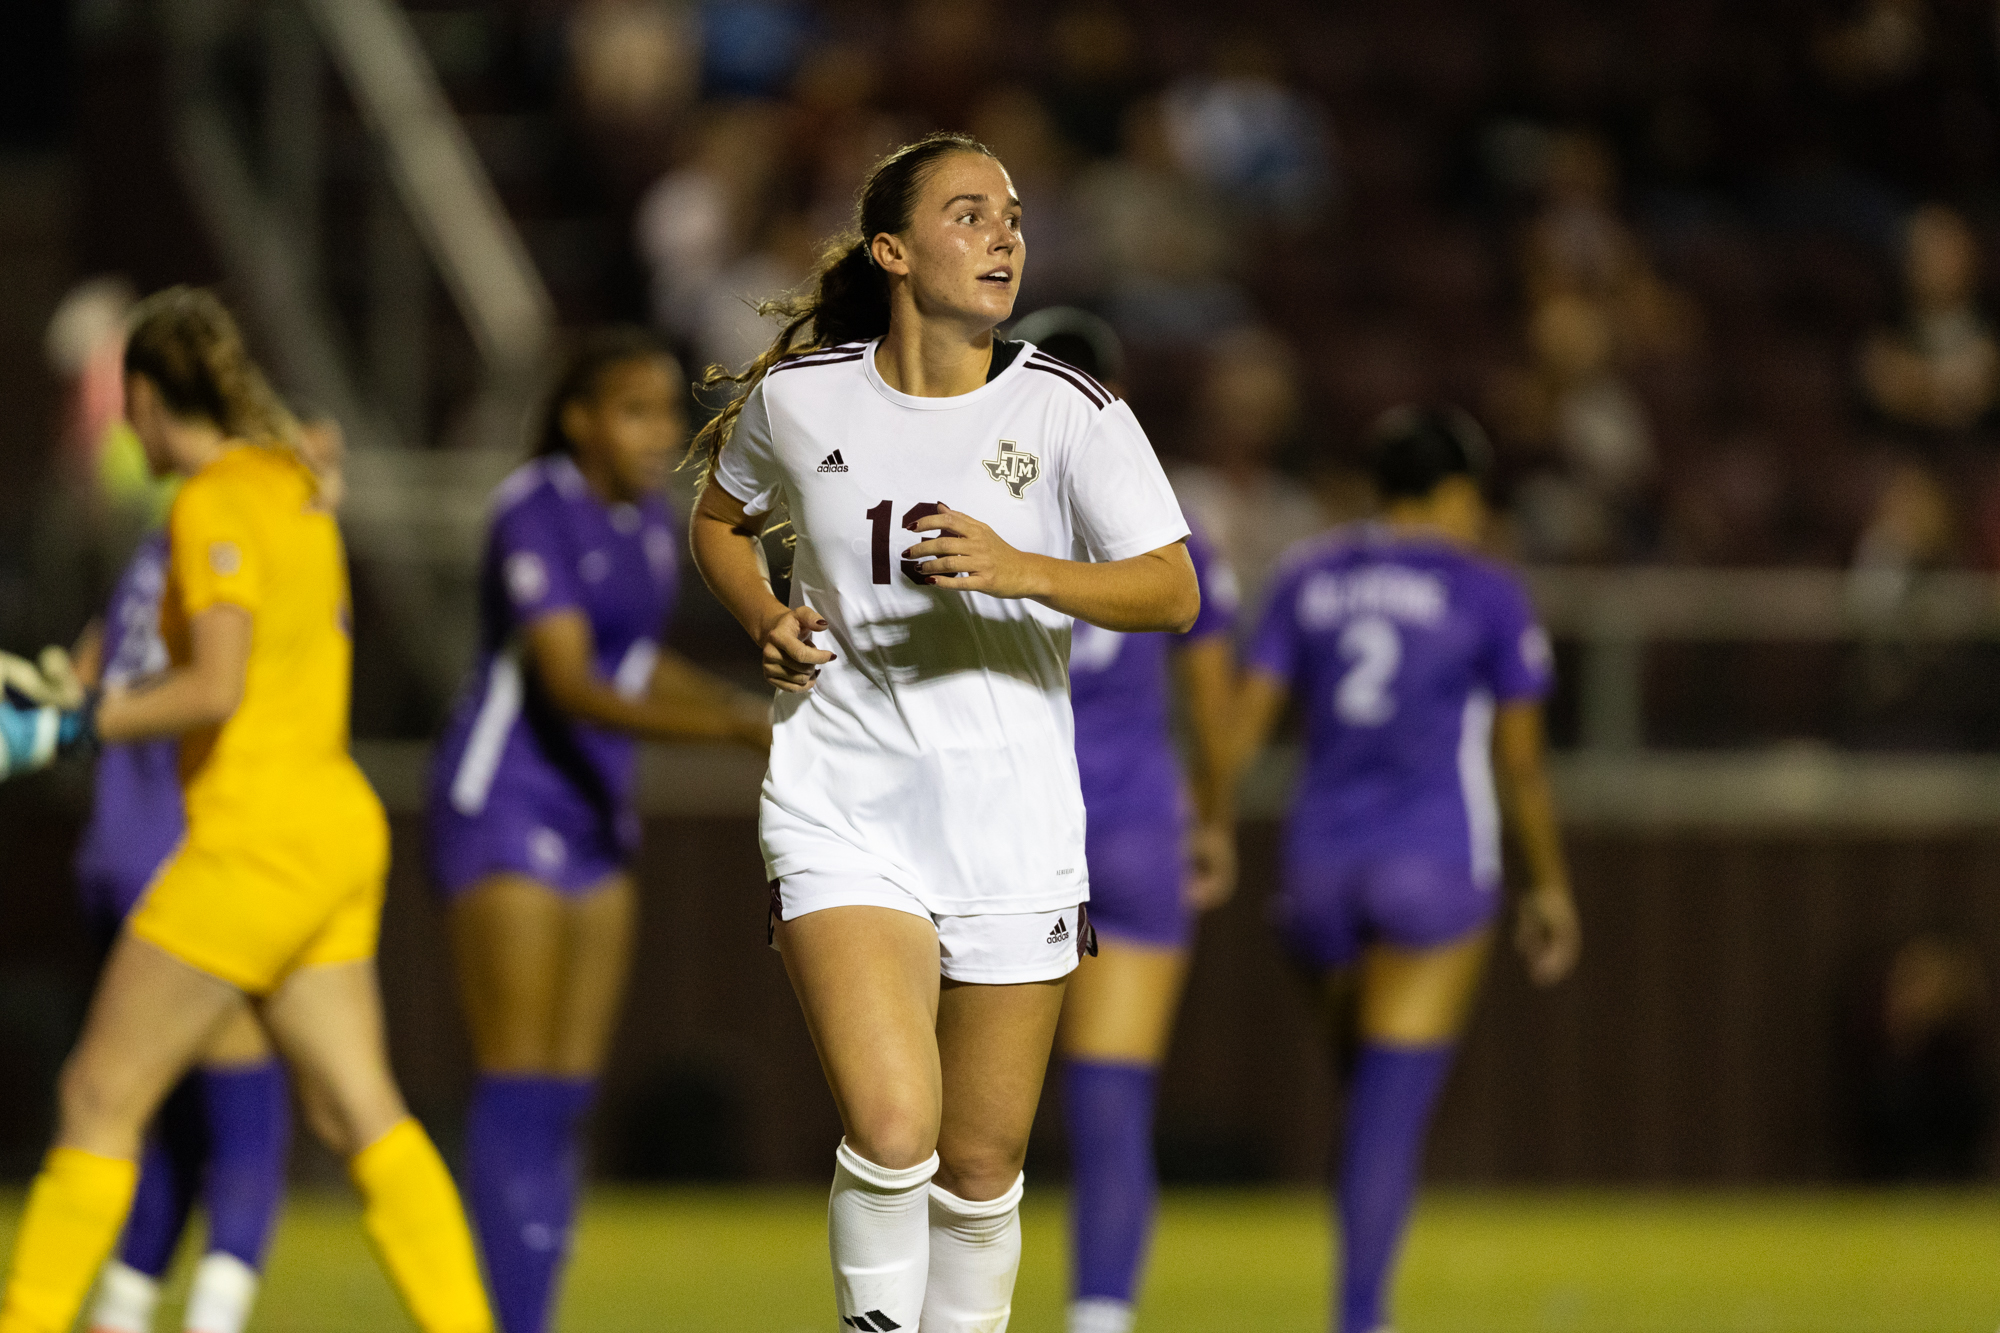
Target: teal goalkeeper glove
[(32, 737)]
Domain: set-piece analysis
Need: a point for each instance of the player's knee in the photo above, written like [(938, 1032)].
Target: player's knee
[(985, 1171), (896, 1137), (95, 1102)]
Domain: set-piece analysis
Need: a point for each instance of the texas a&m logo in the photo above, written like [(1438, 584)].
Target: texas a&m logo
[(1013, 468)]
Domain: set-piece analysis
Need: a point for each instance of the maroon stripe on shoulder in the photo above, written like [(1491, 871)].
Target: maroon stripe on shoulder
[(1074, 382), (1057, 363), (1075, 370), (817, 361)]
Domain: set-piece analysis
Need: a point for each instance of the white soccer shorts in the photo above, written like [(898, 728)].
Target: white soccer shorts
[(995, 949)]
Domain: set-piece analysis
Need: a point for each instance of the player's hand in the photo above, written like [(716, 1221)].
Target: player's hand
[(31, 737), (1212, 866), (790, 660), (968, 556), (1548, 933), (51, 683)]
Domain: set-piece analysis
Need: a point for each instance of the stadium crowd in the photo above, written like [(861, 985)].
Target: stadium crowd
[(1711, 274)]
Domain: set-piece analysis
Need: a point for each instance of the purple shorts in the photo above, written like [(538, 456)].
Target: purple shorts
[(1138, 881), (1330, 910), (558, 840)]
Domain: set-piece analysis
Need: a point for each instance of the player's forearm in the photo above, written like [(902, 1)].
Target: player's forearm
[(1528, 804), (739, 714), (673, 717), (1205, 670), (1260, 698), (1146, 593), (179, 701), (728, 557)]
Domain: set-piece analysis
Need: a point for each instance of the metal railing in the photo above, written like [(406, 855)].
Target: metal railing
[(258, 169)]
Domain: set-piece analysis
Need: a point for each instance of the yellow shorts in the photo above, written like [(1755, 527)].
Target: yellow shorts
[(252, 909)]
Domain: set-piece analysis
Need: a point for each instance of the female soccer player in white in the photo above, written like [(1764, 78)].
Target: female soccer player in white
[(921, 821)]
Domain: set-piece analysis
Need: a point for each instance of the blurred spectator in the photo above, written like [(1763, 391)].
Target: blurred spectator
[(1940, 371), (1882, 42), (1587, 433), (1095, 78), (1728, 508), (1925, 1101), (729, 331), (751, 48), (1162, 245), (1012, 121), (1247, 412), (1904, 693), (691, 222), (850, 146), (947, 57), (85, 344), (1260, 145), (633, 60), (1580, 245), (1913, 528), (837, 87)]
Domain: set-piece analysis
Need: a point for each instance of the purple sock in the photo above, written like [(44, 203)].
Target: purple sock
[(249, 1112), (169, 1172), (523, 1168), (1114, 1181), (1388, 1113)]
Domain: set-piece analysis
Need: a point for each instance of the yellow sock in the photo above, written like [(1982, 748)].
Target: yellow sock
[(74, 1213), (412, 1213)]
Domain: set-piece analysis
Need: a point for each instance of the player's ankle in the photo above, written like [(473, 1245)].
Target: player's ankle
[(1100, 1314), (126, 1300), (219, 1300)]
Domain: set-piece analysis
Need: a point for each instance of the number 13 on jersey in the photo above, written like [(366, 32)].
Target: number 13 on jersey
[(878, 546)]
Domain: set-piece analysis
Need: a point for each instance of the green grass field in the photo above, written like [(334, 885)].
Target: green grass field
[(1230, 1261)]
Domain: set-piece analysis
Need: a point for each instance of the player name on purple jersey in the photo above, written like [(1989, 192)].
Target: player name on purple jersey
[(136, 814), (1399, 647)]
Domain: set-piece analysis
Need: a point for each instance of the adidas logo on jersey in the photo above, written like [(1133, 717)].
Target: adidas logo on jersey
[(833, 462), (1060, 935), (871, 1321)]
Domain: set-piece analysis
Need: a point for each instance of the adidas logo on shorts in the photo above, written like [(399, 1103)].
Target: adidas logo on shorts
[(1060, 935), (833, 462), (874, 1319)]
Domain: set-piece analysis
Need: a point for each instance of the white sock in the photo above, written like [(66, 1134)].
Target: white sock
[(1100, 1314), (975, 1256), (878, 1227), (126, 1299), (219, 1301)]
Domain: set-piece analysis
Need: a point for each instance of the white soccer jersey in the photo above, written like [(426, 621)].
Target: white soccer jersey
[(937, 749)]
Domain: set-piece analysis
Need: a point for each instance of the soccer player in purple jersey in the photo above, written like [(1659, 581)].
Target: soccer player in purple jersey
[(1421, 670), (531, 806), (1161, 849)]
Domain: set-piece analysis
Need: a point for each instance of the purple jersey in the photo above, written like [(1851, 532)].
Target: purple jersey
[(136, 814), (508, 752), (1121, 693), (1136, 835), (1399, 648)]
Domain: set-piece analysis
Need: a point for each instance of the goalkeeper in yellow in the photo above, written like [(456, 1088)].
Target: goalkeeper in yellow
[(276, 891)]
